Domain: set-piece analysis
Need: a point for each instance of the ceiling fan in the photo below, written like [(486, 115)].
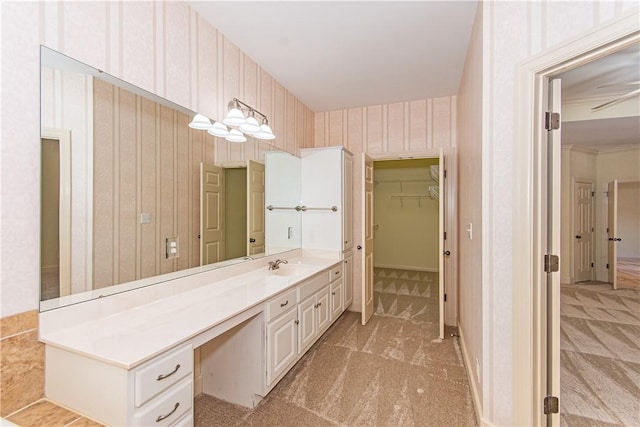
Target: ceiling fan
[(620, 98)]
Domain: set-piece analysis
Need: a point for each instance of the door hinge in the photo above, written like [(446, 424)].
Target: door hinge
[(551, 263), (591, 265), (593, 194), (607, 266), (445, 297), (551, 405), (445, 235), (551, 121), (445, 173), (607, 229)]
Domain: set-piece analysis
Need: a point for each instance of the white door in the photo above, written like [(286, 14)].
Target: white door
[(211, 214), (443, 251), (612, 232), (552, 296), (367, 238), (583, 227), (255, 208)]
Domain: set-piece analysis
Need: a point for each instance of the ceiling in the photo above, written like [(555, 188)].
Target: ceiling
[(334, 55), (617, 126), (340, 54)]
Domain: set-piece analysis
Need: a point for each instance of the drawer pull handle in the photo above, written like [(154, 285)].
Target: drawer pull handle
[(333, 293), (164, 376), (337, 272), (284, 303), (162, 417)]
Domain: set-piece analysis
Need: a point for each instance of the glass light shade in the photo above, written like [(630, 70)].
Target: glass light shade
[(218, 129), (200, 122), (234, 118), (264, 133), (251, 126), (236, 136)]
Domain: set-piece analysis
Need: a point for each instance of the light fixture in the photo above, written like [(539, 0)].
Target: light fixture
[(218, 129), (200, 122), (265, 131), (235, 117), (251, 126), (236, 136), (248, 124)]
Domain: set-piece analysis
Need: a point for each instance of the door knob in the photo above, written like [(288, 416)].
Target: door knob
[(447, 253), (252, 240), (578, 237), (615, 239), (359, 247)]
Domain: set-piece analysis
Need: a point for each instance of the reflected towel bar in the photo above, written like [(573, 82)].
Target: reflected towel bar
[(303, 208)]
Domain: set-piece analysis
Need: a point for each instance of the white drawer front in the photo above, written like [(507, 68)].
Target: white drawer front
[(335, 273), (186, 421), (312, 286), (158, 375), (281, 304), (167, 408)]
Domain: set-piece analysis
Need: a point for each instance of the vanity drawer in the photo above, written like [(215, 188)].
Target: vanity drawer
[(335, 273), (167, 408), (312, 286), (158, 375), (281, 304)]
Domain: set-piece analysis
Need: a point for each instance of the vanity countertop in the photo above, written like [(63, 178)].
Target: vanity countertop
[(131, 337)]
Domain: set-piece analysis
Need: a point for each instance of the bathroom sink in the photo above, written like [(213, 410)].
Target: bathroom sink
[(291, 270)]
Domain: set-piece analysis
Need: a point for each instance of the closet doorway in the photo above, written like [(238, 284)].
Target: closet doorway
[(409, 247)]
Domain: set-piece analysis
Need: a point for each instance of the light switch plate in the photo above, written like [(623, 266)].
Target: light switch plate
[(172, 247)]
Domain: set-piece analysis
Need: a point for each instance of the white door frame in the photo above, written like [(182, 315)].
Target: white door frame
[(451, 220), (529, 367), (63, 136)]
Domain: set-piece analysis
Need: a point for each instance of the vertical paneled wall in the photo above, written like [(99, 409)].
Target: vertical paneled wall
[(163, 47), (147, 160), (402, 128)]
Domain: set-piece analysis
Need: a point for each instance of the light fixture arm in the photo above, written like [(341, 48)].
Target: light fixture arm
[(236, 103)]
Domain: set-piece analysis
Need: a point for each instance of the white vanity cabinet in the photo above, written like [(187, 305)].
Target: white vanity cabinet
[(158, 392), (281, 336)]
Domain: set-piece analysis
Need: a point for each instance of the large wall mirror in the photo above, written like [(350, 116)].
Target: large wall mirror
[(131, 196)]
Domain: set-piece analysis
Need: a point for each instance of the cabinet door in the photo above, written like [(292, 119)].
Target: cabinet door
[(323, 309), (347, 276), (307, 329), (336, 299), (281, 345), (347, 201)]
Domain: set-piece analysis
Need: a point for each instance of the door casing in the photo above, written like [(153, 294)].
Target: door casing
[(529, 214)]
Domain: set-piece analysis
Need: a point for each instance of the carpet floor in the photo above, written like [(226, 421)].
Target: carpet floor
[(391, 372), (600, 356)]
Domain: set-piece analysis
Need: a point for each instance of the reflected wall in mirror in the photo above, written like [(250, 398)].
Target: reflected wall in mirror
[(132, 196)]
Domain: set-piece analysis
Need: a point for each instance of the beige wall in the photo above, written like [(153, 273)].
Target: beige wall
[(163, 47), (147, 160), (411, 221), (401, 128), (629, 219), (470, 166), (623, 166)]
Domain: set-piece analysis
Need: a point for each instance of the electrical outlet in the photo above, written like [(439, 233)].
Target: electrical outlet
[(171, 247)]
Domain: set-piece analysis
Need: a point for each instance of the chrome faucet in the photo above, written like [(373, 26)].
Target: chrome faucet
[(274, 265)]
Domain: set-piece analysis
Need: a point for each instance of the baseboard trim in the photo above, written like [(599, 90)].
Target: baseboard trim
[(475, 396)]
